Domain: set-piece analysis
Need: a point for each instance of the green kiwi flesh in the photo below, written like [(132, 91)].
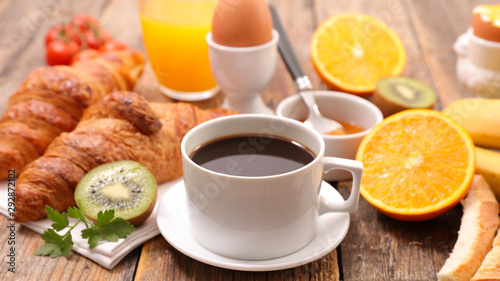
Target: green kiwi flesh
[(127, 187), (397, 93)]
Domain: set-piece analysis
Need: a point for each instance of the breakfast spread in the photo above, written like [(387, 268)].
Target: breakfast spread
[(87, 147)]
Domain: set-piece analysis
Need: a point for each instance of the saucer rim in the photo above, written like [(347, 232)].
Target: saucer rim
[(239, 264)]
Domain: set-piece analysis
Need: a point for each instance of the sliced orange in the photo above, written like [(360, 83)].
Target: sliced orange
[(418, 164), (351, 52)]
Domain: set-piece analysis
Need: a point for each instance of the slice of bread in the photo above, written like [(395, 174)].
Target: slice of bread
[(479, 224), (490, 268)]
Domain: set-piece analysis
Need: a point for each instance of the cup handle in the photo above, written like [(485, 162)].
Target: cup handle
[(356, 169)]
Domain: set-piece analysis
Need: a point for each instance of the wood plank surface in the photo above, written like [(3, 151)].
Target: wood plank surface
[(376, 247), (380, 248), (163, 262), (437, 26)]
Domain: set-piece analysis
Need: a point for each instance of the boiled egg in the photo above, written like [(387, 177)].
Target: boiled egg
[(486, 22), (242, 23)]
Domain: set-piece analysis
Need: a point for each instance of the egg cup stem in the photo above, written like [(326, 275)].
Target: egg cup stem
[(254, 104)]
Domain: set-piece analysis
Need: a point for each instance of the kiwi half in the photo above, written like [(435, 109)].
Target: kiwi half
[(127, 187), (397, 93)]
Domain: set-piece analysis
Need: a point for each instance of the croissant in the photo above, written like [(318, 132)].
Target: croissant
[(52, 99), (123, 126)]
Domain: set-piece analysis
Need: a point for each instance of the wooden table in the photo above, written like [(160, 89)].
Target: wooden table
[(376, 247)]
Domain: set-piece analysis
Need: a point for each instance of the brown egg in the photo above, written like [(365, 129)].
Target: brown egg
[(486, 22), (242, 23)]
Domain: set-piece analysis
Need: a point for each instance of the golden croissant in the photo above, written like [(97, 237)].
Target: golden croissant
[(52, 99), (123, 126)]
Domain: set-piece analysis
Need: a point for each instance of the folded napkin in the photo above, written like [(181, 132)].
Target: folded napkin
[(107, 254)]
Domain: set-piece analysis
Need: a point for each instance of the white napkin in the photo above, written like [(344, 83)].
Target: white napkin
[(107, 254)]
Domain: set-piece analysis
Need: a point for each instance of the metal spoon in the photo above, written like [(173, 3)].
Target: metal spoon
[(314, 119)]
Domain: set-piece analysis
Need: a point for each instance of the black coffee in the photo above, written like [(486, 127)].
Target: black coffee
[(252, 155)]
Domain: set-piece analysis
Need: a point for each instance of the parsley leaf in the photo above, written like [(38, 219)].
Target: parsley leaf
[(75, 213), (94, 236), (105, 217), (60, 220), (116, 229), (108, 227), (67, 244), (49, 249), (52, 244)]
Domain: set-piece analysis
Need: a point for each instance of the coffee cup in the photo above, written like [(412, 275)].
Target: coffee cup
[(251, 210)]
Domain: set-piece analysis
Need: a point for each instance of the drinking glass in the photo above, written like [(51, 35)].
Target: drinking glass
[(174, 36)]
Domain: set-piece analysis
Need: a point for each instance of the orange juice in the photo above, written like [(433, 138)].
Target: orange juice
[(174, 35)]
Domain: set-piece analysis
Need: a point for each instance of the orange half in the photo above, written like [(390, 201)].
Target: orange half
[(418, 164), (351, 52)]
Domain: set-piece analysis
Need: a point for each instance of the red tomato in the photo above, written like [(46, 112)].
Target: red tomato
[(54, 32), (85, 22), (72, 34), (84, 55), (63, 33), (94, 40), (60, 53), (113, 45)]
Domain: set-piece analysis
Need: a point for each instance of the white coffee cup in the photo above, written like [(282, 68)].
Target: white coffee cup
[(256, 218)]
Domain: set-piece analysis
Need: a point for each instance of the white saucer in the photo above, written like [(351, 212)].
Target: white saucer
[(173, 222)]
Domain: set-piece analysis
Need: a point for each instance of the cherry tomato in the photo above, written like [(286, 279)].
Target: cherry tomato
[(72, 34), (94, 40), (113, 45), (63, 33), (53, 33), (60, 53), (85, 22), (84, 55), (85, 32)]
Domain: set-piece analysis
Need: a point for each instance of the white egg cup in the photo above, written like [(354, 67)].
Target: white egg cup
[(243, 72), (478, 65)]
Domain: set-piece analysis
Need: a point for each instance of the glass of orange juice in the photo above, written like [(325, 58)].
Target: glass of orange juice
[(174, 36)]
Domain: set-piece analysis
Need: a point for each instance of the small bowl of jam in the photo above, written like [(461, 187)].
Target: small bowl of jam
[(357, 115)]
